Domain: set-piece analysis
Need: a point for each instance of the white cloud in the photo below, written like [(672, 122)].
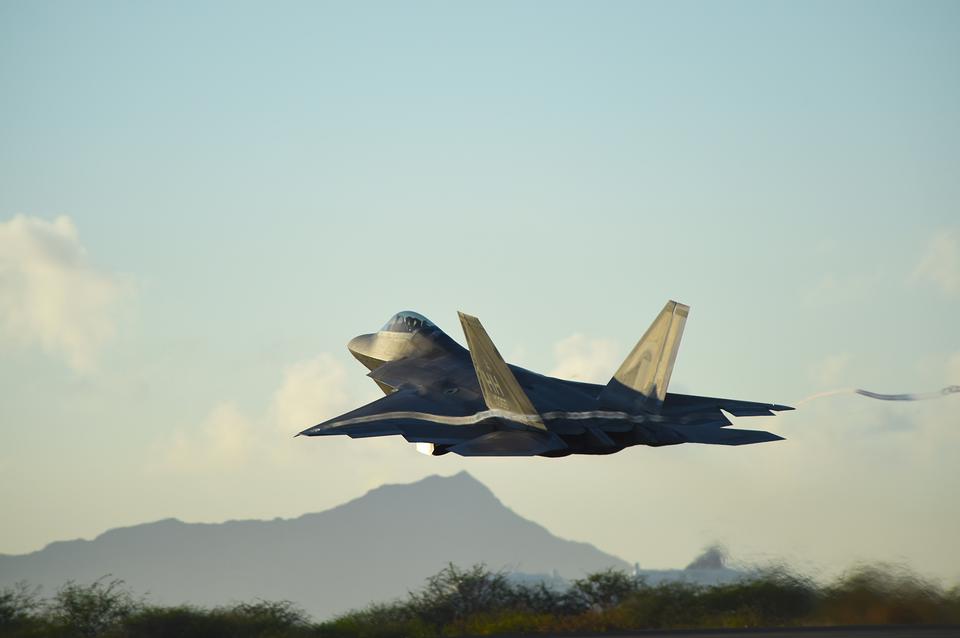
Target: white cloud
[(312, 391), (224, 441), (940, 263), (581, 358), (242, 461), (50, 293), (228, 439)]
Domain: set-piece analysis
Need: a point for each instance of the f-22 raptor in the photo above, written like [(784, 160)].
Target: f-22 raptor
[(446, 398)]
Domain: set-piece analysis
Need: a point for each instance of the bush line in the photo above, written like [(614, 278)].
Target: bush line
[(477, 601)]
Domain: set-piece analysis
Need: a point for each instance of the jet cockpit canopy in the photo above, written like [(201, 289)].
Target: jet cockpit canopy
[(407, 321)]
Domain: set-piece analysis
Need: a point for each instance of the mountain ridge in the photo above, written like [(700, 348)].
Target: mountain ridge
[(375, 547), (277, 519)]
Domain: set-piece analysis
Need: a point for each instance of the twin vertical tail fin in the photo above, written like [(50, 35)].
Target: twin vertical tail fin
[(500, 388), (640, 385)]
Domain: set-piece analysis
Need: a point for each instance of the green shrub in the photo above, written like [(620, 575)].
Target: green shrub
[(20, 606), (455, 594), (673, 604), (259, 619), (603, 590), (396, 620), (181, 621), (478, 602), (771, 597), (884, 594), (92, 610)]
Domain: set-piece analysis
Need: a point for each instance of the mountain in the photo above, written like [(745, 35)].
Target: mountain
[(374, 548)]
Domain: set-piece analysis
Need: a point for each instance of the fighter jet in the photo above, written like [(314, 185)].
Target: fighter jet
[(446, 398)]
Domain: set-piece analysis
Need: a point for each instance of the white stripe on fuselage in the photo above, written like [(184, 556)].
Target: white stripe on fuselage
[(473, 419)]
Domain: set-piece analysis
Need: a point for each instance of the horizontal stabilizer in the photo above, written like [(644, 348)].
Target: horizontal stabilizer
[(679, 404), (500, 388), (724, 436), (709, 411)]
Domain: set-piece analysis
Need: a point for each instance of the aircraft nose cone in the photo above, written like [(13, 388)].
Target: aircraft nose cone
[(364, 349), (361, 345)]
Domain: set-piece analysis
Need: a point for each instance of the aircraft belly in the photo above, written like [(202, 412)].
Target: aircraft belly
[(419, 432), (509, 443)]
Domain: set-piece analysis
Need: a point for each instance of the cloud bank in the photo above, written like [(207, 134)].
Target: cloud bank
[(51, 295), (231, 440), (581, 358)]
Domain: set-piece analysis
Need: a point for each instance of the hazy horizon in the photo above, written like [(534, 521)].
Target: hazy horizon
[(712, 556), (200, 204)]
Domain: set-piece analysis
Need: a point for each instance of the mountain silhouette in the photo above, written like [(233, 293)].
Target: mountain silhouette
[(374, 548)]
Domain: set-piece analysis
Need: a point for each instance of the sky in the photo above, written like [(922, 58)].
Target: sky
[(201, 203)]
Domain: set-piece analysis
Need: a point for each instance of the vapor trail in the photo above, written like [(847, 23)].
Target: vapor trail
[(920, 396)]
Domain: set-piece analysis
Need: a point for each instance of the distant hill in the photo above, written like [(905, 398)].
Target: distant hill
[(374, 548), (709, 568)]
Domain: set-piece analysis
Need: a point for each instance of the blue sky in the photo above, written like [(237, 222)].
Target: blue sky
[(200, 203)]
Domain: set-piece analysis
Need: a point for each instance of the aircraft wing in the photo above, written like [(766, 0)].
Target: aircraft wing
[(470, 406), (417, 417), (439, 419)]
